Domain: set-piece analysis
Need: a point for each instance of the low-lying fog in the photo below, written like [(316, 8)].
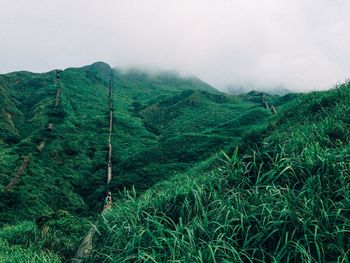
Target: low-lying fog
[(290, 44)]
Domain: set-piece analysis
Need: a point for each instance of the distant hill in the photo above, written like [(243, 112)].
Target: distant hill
[(274, 100), (243, 89)]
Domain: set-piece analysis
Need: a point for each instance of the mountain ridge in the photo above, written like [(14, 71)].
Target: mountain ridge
[(164, 125)]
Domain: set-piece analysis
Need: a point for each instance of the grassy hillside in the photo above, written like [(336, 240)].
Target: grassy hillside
[(165, 127), (172, 132), (282, 196), (49, 207)]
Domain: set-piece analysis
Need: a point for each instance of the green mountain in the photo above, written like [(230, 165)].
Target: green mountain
[(281, 196), (54, 145), (198, 175)]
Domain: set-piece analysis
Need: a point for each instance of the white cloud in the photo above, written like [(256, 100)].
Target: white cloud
[(299, 44)]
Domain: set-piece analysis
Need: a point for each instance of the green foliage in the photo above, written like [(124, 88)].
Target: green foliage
[(285, 200), (316, 118), (56, 232), (165, 127), (14, 254), (173, 131)]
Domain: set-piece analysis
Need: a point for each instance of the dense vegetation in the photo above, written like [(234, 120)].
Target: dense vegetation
[(199, 176), (164, 125), (281, 196)]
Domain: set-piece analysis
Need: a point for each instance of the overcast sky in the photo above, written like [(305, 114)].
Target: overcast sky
[(302, 45)]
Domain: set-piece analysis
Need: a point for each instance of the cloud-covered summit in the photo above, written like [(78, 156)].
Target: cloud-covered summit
[(300, 45)]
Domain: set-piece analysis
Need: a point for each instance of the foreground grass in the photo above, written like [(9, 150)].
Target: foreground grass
[(14, 254), (285, 201), (17, 245), (263, 207)]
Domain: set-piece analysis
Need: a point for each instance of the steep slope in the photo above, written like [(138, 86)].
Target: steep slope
[(143, 87), (285, 201), (164, 126), (64, 181), (167, 128)]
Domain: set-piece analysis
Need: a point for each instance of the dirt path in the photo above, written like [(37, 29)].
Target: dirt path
[(109, 165), (267, 106), (19, 172), (58, 90), (86, 245), (41, 146), (25, 163), (9, 119), (58, 97)]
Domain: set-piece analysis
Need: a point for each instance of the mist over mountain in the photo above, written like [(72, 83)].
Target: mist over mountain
[(174, 131), (245, 88), (54, 133), (92, 158), (299, 45)]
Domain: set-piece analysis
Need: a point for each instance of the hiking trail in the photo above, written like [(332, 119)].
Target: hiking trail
[(86, 244), (19, 172), (26, 159)]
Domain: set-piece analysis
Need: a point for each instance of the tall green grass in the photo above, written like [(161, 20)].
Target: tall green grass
[(284, 200), (261, 207), (15, 254)]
